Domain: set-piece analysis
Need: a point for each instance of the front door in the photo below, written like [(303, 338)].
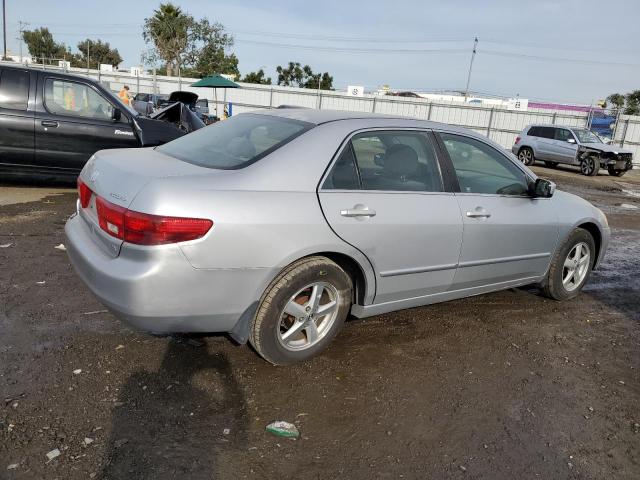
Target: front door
[(384, 195), (75, 122), (564, 146), (508, 236)]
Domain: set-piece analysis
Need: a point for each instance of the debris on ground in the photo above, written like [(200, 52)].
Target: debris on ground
[(13, 466), (53, 454), (119, 347), (95, 312), (226, 431), (61, 247), (6, 245), (88, 441), (77, 371), (283, 429), (41, 283)]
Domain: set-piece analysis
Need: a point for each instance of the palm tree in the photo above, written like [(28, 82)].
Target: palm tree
[(168, 29)]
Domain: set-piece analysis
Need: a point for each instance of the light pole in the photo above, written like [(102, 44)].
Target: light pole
[(4, 28), (473, 54)]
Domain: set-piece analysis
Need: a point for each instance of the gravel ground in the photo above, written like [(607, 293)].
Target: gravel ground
[(501, 386)]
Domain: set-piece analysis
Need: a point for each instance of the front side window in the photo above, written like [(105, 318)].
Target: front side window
[(562, 134), (14, 89), (76, 99), (586, 136), (482, 169), (236, 142)]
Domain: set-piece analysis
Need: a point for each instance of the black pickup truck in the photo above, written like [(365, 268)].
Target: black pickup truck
[(52, 122)]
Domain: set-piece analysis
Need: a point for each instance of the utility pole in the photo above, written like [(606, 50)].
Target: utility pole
[(88, 53), (4, 28), (20, 34), (473, 54)]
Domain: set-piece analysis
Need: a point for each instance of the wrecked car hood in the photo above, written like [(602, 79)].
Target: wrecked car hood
[(604, 147)]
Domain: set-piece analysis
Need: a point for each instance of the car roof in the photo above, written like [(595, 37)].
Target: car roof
[(53, 71), (555, 125)]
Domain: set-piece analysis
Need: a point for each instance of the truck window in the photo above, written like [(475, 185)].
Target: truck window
[(14, 89), (75, 99)]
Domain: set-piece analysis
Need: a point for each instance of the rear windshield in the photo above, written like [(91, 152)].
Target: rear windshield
[(236, 142)]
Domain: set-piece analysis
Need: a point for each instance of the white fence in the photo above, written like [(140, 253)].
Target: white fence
[(500, 124)]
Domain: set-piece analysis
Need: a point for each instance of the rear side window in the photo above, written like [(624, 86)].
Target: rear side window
[(236, 142), (14, 89), (534, 132), (547, 132)]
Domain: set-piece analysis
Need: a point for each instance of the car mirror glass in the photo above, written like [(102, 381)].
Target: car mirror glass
[(543, 188), (116, 115), (571, 140)]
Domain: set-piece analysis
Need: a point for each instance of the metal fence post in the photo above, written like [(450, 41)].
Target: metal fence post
[(271, 98), (373, 107), (553, 118), (155, 80), (319, 99), (624, 132), (489, 124), (429, 111)]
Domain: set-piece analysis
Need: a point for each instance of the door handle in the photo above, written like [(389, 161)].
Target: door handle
[(479, 213), (49, 123), (358, 211)]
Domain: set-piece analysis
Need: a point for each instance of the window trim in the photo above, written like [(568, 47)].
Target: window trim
[(346, 143), (446, 155), (92, 87)]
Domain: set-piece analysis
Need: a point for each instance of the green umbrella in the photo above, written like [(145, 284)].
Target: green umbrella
[(215, 81)]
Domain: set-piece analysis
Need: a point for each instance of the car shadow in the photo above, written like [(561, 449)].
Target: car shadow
[(174, 422)]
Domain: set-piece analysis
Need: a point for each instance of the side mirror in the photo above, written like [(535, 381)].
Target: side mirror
[(571, 140), (542, 188), (116, 115)]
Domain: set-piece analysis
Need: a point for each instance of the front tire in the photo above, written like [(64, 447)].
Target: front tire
[(525, 155), (302, 310), (589, 166), (616, 172), (571, 266)]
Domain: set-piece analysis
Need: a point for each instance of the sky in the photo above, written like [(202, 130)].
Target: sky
[(573, 51)]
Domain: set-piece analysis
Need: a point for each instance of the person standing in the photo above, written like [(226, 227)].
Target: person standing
[(124, 95)]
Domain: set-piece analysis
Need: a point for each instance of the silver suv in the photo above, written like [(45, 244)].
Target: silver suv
[(555, 144)]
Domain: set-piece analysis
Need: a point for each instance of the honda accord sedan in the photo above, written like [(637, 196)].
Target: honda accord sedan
[(275, 226)]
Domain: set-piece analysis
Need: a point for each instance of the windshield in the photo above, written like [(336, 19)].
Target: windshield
[(236, 142), (585, 136)]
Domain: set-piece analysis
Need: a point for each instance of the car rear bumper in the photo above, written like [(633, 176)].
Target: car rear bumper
[(157, 290)]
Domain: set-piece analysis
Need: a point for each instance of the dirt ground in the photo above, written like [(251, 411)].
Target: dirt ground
[(501, 386)]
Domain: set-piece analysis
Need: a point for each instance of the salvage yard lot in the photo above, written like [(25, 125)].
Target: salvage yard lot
[(501, 386)]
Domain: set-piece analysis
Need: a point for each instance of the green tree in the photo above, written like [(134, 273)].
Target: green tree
[(98, 51), (617, 100), (41, 44), (303, 77), (257, 77), (632, 103), (198, 47)]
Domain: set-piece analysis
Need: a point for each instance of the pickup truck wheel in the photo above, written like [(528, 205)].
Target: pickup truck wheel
[(571, 266), (589, 166), (551, 164), (301, 311), (525, 155), (616, 172)]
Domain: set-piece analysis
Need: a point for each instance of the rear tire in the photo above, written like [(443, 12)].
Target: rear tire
[(589, 166), (616, 172), (551, 164), (289, 327), (560, 285), (525, 155)]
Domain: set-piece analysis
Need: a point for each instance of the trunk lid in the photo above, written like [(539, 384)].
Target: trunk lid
[(118, 176)]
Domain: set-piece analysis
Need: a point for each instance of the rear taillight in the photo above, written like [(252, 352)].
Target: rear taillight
[(145, 229), (517, 140), (84, 192)]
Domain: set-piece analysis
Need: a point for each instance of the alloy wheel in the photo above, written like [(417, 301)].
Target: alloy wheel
[(308, 316), (576, 266), (526, 156)]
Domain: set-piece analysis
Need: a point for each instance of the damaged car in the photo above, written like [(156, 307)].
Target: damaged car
[(555, 144), (52, 122)]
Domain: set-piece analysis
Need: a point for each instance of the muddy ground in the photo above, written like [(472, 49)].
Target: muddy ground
[(501, 386)]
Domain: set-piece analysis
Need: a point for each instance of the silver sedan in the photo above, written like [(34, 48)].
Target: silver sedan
[(275, 226)]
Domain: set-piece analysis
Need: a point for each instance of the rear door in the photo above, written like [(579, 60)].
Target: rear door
[(76, 120), (545, 143), (16, 117), (508, 236), (385, 196)]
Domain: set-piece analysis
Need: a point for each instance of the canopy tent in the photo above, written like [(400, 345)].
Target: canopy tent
[(215, 81)]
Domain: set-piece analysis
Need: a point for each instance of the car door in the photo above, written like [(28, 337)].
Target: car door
[(385, 196), (76, 120), (545, 143), (565, 146), (508, 235), (16, 117)]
